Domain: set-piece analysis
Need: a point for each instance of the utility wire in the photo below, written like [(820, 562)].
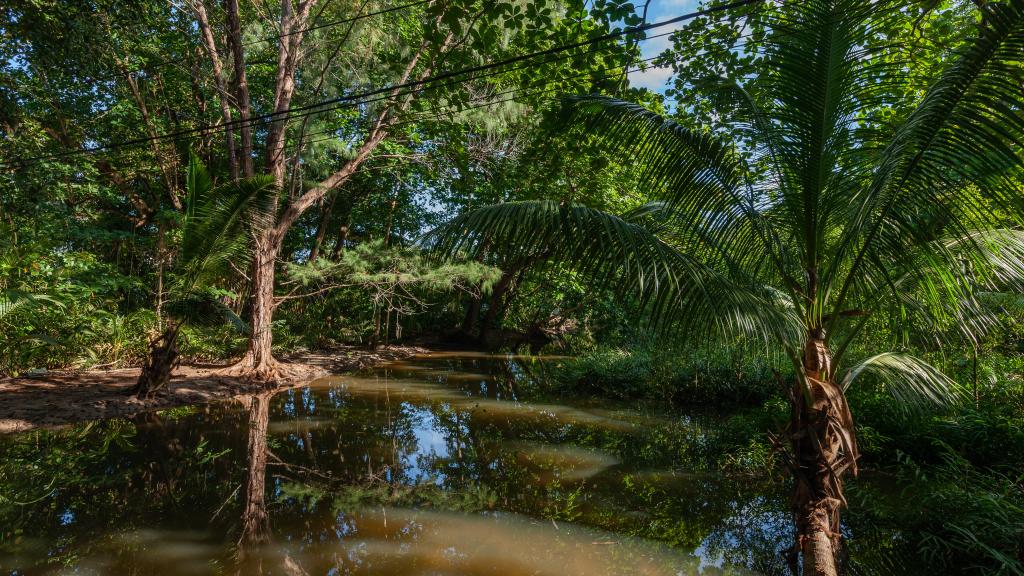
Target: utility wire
[(516, 93), (355, 98), (521, 92), (527, 92), (356, 18), (499, 72), (259, 120)]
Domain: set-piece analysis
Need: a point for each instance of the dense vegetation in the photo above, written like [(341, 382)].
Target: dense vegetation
[(815, 228)]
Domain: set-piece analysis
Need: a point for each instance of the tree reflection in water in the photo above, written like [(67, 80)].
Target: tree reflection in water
[(448, 465), (255, 520)]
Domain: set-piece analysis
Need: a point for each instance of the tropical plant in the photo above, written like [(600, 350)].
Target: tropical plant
[(812, 221), (396, 278), (215, 239), (22, 295)]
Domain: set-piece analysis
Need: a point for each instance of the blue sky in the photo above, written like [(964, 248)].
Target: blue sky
[(655, 78)]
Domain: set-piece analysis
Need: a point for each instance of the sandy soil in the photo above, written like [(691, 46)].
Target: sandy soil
[(65, 397)]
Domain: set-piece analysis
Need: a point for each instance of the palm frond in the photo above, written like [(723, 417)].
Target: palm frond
[(671, 286), (14, 301), (216, 237), (700, 178), (217, 229), (203, 308), (914, 383), (965, 134), (197, 183)]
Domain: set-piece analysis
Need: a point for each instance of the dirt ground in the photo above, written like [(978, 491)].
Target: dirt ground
[(64, 397)]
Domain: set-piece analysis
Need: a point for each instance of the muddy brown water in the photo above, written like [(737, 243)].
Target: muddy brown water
[(450, 464)]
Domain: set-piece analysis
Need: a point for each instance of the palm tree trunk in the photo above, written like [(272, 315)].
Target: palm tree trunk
[(824, 448)]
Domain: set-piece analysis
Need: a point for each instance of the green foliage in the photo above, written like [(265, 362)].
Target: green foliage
[(216, 238), (811, 219), (678, 374), (953, 515), (374, 278), (382, 268)]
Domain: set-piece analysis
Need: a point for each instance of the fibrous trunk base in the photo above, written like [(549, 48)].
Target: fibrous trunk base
[(163, 359)]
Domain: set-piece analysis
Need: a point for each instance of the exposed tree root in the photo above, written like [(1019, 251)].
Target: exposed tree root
[(269, 373), (162, 360)]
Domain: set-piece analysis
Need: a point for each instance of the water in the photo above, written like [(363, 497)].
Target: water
[(451, 464)]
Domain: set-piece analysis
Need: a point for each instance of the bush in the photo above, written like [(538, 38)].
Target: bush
[(949, 516), (682, 378)]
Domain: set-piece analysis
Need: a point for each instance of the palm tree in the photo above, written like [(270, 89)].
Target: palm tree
[(215, 234), (811, 224)]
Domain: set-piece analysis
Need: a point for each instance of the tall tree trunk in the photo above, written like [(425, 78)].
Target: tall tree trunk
[(241, 85), (259, 359), (218, 76), (288, 56), (321, 228), (824, 448)]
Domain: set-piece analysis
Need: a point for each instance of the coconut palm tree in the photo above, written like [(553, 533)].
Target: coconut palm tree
[(811, 224), (215, 234)]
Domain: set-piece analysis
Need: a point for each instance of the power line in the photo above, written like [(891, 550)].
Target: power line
[(527, 92), (273, 116), (493, 73), (351, 19), (734, 46), (335, 129), (355, 18), (262, 120), (516, 93)]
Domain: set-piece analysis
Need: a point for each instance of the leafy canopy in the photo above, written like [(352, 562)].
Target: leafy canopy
[(813, 217)]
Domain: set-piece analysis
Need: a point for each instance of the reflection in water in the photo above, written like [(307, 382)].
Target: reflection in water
[(562, 463), (444, 465), (481, 407), (255, 521), (399, 541)]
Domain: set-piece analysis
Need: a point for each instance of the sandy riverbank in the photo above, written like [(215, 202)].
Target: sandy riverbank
[(65, 397)]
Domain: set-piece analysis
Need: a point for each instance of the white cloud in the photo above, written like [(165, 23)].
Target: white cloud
[(655, 46), (656, 79), (653, 79)]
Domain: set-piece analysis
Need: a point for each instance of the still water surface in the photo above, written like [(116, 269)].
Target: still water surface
[(443, 465)]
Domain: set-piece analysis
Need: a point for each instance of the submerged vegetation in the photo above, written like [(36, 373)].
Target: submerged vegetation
[(771, 253)]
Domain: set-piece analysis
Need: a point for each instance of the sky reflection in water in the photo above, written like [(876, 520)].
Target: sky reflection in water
[(450, 464)]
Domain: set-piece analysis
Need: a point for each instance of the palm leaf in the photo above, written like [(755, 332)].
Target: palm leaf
[(203, 308), (216, 231), (914, 383), (670, 285), (965, 132), (216, 237), (14, 301)]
